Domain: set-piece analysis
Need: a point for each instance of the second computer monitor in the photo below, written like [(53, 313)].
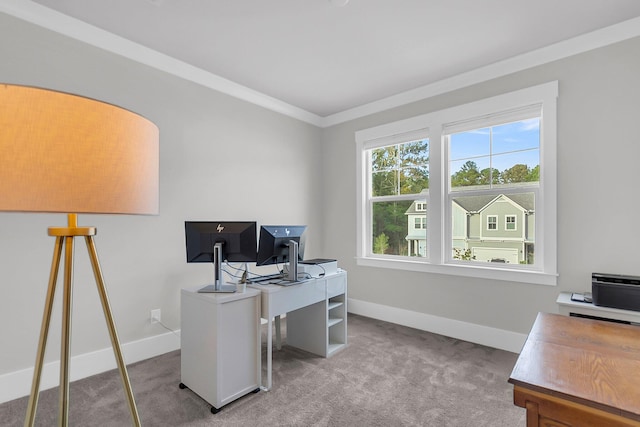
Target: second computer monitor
[(278, 244)]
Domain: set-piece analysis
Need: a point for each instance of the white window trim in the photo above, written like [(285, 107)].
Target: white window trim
[(515, 222), (495, 222), (431, 125)]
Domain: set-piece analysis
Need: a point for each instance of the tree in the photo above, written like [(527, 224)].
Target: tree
[(489, 176), (520, 173), (400, 169), (467, 175), (463, 254), (380, 244)]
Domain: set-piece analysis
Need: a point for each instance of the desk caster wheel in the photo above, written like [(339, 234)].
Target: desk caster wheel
[(214, 410), (182, 386)]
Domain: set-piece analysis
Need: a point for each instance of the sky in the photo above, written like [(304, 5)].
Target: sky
[(501, 146)]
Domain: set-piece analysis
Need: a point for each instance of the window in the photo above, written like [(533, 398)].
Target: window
[(492, 222), (398, 174), (445, 192)]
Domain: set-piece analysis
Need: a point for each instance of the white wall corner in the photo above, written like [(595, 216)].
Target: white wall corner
[(484, 335)]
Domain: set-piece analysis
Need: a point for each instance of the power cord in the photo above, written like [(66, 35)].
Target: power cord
[(167, 328)]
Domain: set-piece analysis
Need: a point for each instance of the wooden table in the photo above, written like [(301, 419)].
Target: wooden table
[(579, 372)]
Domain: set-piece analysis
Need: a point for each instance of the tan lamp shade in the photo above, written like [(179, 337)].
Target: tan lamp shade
[(65, 153)]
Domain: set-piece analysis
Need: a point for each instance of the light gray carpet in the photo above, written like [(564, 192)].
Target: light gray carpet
[(389, 375)]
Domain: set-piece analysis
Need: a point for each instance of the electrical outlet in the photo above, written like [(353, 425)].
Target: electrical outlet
[(155, 316)]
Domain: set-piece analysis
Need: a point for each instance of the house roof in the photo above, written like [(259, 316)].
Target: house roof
[(477, 203)]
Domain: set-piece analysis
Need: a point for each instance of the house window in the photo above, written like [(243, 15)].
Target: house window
[(494, 159), (492, 222)]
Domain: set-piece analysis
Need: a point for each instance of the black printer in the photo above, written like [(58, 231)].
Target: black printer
[(616, 291)]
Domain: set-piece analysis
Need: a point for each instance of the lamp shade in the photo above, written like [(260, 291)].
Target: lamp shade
[(66, 153)]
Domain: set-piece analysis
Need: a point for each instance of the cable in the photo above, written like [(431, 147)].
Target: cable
[(167, 328)]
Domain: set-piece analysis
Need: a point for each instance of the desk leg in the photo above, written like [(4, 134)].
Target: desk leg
[(278, 334), (269, 355)]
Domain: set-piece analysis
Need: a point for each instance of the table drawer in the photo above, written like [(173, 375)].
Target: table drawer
[(336, 285)]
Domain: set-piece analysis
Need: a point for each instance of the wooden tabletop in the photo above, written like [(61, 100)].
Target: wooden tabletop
[(591, 362)]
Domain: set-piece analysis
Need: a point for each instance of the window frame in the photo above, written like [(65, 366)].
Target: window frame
[(514, 222), (494, 223), (431, 126)]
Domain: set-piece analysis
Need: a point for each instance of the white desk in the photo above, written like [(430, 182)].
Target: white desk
[(316, 315), (568, 308)]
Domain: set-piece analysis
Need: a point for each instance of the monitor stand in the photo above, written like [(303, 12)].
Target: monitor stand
[(292, 274), (218, 280)]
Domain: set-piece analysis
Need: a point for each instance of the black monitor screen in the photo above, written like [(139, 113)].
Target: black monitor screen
[(238, 240), (274, 243)]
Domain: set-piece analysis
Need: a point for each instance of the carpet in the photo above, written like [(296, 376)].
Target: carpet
[(389, 375)]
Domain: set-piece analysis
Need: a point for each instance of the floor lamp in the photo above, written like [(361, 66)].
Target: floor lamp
[(70, 154)]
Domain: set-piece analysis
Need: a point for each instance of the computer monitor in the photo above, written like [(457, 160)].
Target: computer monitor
[(219, 241), (279, 244)]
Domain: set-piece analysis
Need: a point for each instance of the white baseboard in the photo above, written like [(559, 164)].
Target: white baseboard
[(17, 384), (491, 337), (14, 385)]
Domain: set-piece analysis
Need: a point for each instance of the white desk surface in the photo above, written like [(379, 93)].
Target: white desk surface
[(217, 297)]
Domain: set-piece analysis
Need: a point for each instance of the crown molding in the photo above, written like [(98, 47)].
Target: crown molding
[(50, 19), (74, 28), (583, 43)]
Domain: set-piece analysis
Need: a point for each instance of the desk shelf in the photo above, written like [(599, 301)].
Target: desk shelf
[(321, 328), (334, 304)]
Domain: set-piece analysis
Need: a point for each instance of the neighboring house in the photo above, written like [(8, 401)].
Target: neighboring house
[(494, 228), (417, 227)]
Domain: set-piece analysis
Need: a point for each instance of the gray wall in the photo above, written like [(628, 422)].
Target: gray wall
[(598, 152), (220, 159)]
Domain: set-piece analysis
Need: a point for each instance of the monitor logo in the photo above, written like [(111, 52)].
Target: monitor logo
[(220, 228), (286, 231)]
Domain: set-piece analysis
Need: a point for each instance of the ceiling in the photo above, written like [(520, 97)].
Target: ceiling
[(325, 59)]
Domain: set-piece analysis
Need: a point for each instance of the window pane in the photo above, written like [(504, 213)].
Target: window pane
[(400, 169), (503, 154), (398, 229), (479, 235)]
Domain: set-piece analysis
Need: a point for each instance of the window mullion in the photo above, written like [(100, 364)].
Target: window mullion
[(436, 215)]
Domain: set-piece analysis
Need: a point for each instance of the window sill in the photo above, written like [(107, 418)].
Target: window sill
[(510, 275)]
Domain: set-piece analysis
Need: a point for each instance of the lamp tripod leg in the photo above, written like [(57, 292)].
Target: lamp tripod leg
[(44, 332), (112, 329), (65, 341)]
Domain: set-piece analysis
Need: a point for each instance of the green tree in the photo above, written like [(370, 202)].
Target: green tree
[(400, 169), (380, 244), (463, 254), (467, 175), (489, 176), (517, 173), (389, 219)]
